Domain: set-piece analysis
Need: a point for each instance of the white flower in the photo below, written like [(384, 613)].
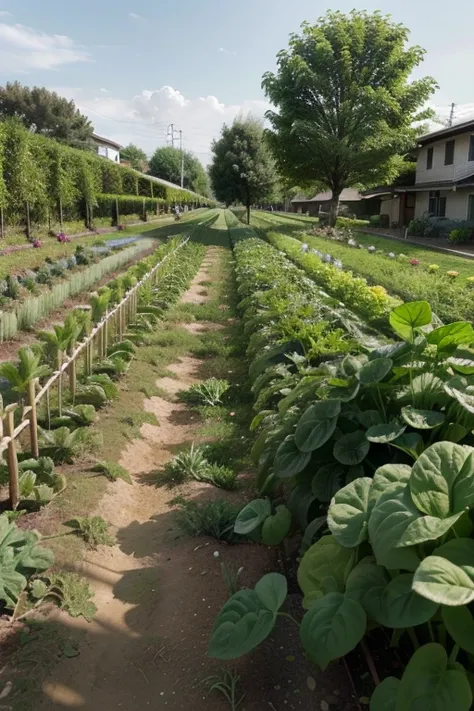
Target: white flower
[(338, 263), (304, 247), (352, 243), (372, 249), (216, 554), (391, 255)]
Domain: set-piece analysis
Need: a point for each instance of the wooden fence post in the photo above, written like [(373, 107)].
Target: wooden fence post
[(72, 379), (33, 418), (14, 486)]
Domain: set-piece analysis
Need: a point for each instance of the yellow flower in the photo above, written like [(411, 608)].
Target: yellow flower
[(452, 274)]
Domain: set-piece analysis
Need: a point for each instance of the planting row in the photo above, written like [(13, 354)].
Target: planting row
[(367, 457), (66, 425), (449, 294)]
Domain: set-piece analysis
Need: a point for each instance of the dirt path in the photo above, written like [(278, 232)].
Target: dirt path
[(158, 592)]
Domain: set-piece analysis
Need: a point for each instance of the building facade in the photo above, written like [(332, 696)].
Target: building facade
[(106, 148)]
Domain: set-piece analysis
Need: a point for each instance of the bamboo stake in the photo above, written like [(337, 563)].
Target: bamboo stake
[(33, 418), (72, 379), (14, 485)]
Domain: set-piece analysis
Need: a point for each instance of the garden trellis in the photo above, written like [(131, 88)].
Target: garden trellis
[(109, 329)]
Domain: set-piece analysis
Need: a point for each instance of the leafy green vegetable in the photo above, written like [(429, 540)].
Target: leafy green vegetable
[(252, 516)]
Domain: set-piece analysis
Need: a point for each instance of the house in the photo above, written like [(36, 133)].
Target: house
[(444, 183), (351, 202), (107, 148)]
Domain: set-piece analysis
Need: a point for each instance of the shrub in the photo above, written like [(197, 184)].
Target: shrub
[(351, 223), (460, 235), (213, 518), (221, 476), (374, 220), (433, 268), (422, 227)]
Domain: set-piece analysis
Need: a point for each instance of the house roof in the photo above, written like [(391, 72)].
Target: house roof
[(106, 141), (347, 195), (454, 130)]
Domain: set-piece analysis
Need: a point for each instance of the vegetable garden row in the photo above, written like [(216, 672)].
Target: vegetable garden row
[(364, 455)]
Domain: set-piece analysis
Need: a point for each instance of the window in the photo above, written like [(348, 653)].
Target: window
[(471, 149), (429, 158), (449, 153), (470, 207), (437, 204)]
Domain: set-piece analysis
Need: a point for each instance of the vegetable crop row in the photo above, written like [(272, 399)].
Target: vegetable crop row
[(371, 453)]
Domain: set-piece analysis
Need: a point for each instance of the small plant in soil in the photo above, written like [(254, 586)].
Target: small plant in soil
[(226, 684), (113, 471), (94, 530), (221, 476), (212, 518), (231, 578), (185, 466), (69, 590), (210, 392)]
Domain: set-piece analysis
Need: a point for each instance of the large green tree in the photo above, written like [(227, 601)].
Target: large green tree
[(346, 110), (46, 113), (166, 164), (135, 156), (242, 168)]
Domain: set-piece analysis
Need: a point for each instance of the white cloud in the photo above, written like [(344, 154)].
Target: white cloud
[(5, 13), (143, 119), (226, 51), (135, 16), (105, 91), (23, 48)]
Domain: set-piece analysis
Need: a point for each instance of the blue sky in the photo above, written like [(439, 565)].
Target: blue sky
[(135, 67)]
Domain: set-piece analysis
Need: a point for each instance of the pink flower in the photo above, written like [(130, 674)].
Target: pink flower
[(36, 244), (414, 262), (232, 414)]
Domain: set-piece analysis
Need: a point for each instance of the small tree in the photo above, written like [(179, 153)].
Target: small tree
[(135, 156), (166, 164), (242, 168), (346, 107)]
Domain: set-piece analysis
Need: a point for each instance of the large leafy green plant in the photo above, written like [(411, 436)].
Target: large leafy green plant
[(28, 368)]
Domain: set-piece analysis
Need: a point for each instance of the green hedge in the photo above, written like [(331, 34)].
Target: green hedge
[(109, 205), (44, 182)]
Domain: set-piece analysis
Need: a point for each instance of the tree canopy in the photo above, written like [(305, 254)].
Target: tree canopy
[(346, 110), (135, 156), (166, 164), (46, 113), (242, 168)]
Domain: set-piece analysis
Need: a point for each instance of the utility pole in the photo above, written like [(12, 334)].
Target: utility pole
[(451, 115), (171, 133), (182, 157)]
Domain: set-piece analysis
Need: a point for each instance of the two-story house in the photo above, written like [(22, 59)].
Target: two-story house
[(444, 184), (107, 148)]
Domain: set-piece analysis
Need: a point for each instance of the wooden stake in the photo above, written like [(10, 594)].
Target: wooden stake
[(12, 458), (33, 418), (72, 379)]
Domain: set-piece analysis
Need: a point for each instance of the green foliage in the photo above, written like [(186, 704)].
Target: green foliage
[(94, 530), (38, 482), (64, 445), (226, 684), (21, 556), (358, 132), (29, 367), (135, 156), (212, 518), (113, 471), (193, 464), (71, 591), (50, 115), (461, 235), (165, 163), (241, 169), (209, 392)]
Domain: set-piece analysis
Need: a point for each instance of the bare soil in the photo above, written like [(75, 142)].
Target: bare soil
[(158, 593)]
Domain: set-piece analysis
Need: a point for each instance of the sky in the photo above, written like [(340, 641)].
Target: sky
[(136, 67)]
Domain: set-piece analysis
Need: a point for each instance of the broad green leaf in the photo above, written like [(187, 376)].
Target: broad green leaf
[(38, 589), (311, 530), (422, 419), (407, 317), (451, 335), (347, 392), (275, 528), (351, 365), (459, 388), (27, 481), (462, 494), (325, 558), (252, 516), (385, 432), (327, 481), (375, 371), (460, 625), (411, 443), (447, 576), (369, 418), (390, 517), (300, 502), (317, 425), (351, 448), (258, 419), (348, 513), (384, 697), (366, 583), (428, 683), (387, 475), (427, 528), (333, 627), (289, 460), (272, 590), (241, 625), (433, 477)]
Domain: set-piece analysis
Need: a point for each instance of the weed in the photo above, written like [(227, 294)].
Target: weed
[(94, 530), (185, 466), (231, 578), (226, 683), (210, 392), (212, 518), (113, 471), (221, 476), (70, 590)]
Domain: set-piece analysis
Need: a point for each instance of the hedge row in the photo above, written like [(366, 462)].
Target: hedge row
[(42, 181)]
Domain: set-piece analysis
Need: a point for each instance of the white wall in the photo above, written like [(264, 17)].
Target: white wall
[(391, 208), (108, 152), (439, 171), (456, 203)]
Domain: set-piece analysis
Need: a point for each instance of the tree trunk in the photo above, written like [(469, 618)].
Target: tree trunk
[(334, 207), (248, 205)]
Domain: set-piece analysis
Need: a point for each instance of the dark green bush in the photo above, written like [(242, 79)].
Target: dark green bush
[(460, 235)]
